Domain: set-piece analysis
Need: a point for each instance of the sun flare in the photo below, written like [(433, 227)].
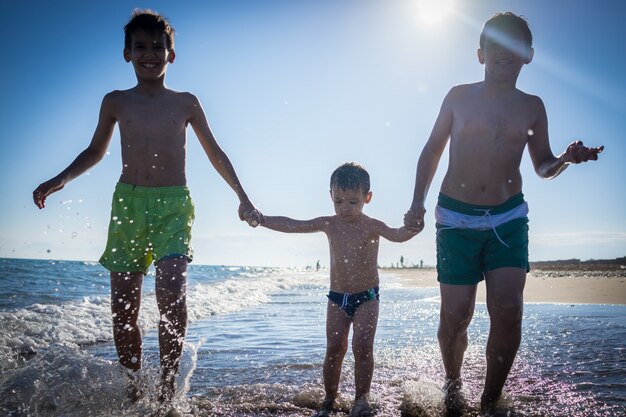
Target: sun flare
[(434, 11)]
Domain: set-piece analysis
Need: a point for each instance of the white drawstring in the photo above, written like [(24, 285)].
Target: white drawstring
[(488, 215)]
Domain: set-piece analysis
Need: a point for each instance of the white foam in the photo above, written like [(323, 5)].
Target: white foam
[(88, 321)]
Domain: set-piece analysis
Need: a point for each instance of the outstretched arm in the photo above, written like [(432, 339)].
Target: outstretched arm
[(289, 225), (545, 163), (87, 158), (428, 162), (218, 158), (401, 234)]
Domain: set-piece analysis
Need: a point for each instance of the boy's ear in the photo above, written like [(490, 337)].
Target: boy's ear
[(126, 55), (171, 56), (529, 57), (368, 197), (481, 56)]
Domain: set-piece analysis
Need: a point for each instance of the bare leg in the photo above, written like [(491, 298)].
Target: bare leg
[(505, 288), (337, 330), (125, 303), (364, 328), (457, 309), (365, 322), (171, 291)]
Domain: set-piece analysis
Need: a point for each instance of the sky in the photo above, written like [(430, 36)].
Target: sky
[(293, 89)]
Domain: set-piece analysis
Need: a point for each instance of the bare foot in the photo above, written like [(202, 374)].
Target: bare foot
[(454, 400), (502, 406), (361, 408), (327, 408), (135, 386)]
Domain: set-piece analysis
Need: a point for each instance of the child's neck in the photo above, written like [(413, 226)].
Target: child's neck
[(497, 86), (151, 86)]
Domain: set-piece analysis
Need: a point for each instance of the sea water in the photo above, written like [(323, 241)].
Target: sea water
[(255, 346)]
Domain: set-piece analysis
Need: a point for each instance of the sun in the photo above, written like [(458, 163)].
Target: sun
[(434, 11)]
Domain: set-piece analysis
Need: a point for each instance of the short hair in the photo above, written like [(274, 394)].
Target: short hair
[(151, 22), (505, 22), (351, 176)]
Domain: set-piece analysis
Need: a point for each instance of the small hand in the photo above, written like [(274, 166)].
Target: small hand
[(44, 190), (414, 219), (253, 217), (576, 153)]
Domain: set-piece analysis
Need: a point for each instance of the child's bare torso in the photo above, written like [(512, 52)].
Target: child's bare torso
[(488, 135), (153, 136), (353, 254)]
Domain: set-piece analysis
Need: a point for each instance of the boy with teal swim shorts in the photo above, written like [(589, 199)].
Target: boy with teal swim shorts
[(482, 225), (152, 211)]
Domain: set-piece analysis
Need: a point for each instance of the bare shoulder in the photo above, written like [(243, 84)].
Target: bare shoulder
[(115, 96), (462, 90), (373, 224), (532, 105)]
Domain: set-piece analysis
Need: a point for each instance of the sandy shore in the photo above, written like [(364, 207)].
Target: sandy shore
[(568, 287)]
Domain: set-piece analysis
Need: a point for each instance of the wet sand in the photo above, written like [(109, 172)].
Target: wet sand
[(543, 286)]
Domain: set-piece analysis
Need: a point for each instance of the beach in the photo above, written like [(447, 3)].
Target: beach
[(542, 286), (255, 344)]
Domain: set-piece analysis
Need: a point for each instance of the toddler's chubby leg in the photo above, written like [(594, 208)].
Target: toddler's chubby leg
[(171, 292), (365, 323), (337, 331)]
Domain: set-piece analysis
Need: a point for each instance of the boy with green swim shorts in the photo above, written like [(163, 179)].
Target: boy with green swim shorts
[(482, 231), (148, 224), (152, 211)]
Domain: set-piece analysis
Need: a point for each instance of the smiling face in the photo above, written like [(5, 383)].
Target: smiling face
[(504, 54), (149, 55), (349, 203), (505, 46)]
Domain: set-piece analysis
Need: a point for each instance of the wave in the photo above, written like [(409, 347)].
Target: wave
[(88, 321)]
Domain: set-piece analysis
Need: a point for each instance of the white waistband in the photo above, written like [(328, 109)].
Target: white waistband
[(483, 220)]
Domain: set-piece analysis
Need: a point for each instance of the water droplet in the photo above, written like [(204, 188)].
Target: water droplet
[(530, 132)]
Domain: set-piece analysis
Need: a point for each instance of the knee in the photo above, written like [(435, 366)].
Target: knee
[(336, 348), (453, 322), (506, 314), (362, 351)]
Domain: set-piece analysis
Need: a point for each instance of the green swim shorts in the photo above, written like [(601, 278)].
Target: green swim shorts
[(464, 255), (148, 224)]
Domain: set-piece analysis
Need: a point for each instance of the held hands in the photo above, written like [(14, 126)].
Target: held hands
[(414, 219), (45, 189), (250, 214), (576, 153)]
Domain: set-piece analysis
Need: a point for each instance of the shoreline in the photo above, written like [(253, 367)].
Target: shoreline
[(542, 286)]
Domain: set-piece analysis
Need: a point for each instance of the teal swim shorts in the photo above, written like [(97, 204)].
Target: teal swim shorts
[(148, 224), (464, 255)]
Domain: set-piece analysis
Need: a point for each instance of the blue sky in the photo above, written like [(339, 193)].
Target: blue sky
[(292, 89)]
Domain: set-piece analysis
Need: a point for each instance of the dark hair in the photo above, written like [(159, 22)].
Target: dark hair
[(351, 176), (505, 22), (151, 22)]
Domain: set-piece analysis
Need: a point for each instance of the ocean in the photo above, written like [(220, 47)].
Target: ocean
[(255, 346)]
